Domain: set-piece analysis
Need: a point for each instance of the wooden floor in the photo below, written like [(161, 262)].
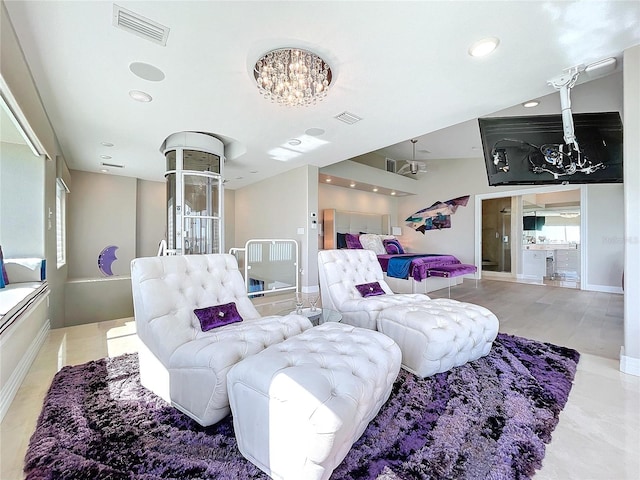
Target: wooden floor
[(598, 437), (590, 322)]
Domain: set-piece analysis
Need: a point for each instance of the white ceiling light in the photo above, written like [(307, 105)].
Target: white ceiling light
[(294, 142), (531, 104), (352, 185), (328, 180), (484, 47), (105, 157), (139, 96), (107, 144), (292, 76)]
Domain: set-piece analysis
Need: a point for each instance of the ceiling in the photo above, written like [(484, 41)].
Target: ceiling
[(403, 67)]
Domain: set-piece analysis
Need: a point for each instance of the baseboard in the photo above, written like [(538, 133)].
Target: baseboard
[(629, 365), (602, 288), (9, 391)]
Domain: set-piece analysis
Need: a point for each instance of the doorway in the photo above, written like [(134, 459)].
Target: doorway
[(531, 236), (496, 235)]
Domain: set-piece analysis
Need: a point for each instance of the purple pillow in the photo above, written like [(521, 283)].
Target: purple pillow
[(5, 278), (392, 246), (217, 316), (353, 241), (370, 289)]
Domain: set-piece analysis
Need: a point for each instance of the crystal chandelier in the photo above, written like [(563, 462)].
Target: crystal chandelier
[(292, 76)]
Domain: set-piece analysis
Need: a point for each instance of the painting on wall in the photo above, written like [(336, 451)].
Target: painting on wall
[(106, 258), (437, 216)]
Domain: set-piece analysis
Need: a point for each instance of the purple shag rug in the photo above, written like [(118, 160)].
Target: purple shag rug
[(489, 419)]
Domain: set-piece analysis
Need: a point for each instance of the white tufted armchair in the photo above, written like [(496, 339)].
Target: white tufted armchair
[(178, 361), (341, 270)]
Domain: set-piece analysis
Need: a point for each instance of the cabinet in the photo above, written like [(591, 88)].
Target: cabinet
[(534, 263), (567, 264)]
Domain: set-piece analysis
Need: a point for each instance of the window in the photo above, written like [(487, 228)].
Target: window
[(61, 224)]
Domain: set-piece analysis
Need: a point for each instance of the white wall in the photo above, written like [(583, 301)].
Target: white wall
[(276, 208), (630, 356), (101, 211), (151, 217), (605, 238), (330, 196), (21, 201)]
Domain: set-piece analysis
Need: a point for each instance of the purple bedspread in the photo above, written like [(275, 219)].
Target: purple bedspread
[(419, 266)]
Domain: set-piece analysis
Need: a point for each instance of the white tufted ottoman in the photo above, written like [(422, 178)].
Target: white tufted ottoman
[(440, 334), (299, 406)]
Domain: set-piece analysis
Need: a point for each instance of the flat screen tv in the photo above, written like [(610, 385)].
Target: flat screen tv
[(532, 151)]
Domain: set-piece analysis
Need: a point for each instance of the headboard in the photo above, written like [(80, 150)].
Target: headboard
[(334, 221)]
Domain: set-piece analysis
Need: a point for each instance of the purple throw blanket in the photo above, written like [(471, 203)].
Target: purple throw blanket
[(420, 265)]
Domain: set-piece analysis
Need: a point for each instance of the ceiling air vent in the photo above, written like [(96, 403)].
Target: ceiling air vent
[(348, 118), (139, 25), (112, 165)]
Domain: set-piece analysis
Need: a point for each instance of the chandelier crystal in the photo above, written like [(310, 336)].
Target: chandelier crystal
[(292, 77)]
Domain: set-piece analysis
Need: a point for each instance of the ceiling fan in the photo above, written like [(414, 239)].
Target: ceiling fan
[(412, 166)]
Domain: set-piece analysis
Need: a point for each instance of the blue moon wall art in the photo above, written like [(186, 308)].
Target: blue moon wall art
[(437, 216), (106, 258)]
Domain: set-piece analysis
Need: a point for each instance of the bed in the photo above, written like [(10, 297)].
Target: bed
[(404, 272)]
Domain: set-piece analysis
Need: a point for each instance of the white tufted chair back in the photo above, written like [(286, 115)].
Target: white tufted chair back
[(167, 289), (341, 270)]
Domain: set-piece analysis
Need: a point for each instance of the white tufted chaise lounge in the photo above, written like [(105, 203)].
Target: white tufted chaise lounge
[(341, 270), (434, 335), (299, 406), (178, 361)]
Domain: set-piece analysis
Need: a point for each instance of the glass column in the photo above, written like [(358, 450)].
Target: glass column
[(195, 164)]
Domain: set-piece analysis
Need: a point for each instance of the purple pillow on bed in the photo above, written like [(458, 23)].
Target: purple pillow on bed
[(370, 289), (217, 316), (353, 241), (4, 280), (392, 246)]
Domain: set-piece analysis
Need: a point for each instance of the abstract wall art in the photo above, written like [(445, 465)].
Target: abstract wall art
[(106, 258), (437, 216)]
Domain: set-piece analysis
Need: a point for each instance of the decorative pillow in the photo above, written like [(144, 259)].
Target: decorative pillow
[(341, 241), (370, 289), (217, 316), (392, 246), (353, 241), (5, 279), (372, 241)]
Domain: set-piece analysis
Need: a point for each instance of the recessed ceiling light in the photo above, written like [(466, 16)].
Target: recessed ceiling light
[(484, 47), (139, 96), (104, 170), (328, 180), (146, 71), (352, 184), (375, 189), (294, 142), (239, 178), (531, 104), (106, 144), (105, 157), (393, 193), (253, 171), (314, 132)]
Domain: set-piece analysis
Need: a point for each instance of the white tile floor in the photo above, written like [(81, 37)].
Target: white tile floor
[(598, 437)]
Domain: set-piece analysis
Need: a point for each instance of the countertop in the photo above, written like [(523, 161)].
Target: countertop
[(550, 246)]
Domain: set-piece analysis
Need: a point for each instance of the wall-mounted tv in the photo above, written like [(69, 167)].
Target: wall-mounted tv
[(533, 223), (532, 151)]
